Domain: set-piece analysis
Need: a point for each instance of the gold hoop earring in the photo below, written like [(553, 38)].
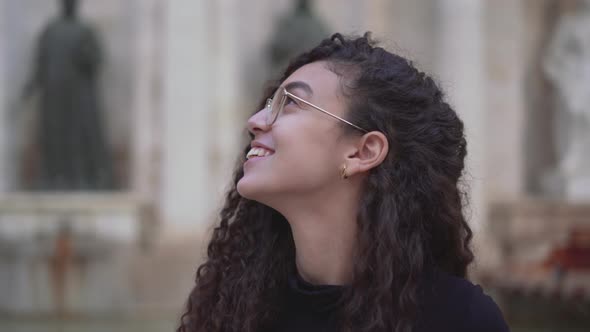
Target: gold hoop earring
[(343, 174)]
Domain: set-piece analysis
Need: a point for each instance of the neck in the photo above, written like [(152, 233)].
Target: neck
[(324, 231)]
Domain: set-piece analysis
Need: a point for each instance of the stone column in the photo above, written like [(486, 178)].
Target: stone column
[(3, 109), (460, 70), (187, 132), (412, 31), (229, 103), (147, 114), (144, 109), (377, 18), (507, 64)]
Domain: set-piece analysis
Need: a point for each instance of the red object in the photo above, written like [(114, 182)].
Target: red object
[(574, 255)]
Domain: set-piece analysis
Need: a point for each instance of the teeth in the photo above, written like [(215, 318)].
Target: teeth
[(259, 152), (250, 153)]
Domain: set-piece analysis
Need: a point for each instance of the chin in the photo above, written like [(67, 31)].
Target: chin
[(247, 189), (242, 189), (253, 191)]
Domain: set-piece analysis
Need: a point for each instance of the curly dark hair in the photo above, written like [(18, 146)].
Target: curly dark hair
[(410, 218)]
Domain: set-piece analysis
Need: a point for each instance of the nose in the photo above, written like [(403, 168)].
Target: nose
[(257, 122)]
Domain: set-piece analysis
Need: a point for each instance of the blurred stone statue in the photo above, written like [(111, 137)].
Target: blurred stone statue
[(73, 153), (567, 66), (295, 32)]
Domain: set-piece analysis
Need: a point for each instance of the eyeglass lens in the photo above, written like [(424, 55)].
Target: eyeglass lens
[(275, 106)]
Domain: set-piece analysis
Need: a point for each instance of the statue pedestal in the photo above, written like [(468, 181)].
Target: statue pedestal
[(66, 254), (545, 246), (528, 229)]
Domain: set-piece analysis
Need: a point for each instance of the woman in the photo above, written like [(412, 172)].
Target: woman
[(347, 213)]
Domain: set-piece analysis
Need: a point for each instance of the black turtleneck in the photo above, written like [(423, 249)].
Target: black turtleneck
[(447, 303)]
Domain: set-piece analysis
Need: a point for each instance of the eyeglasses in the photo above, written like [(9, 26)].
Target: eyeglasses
[(275, 105)]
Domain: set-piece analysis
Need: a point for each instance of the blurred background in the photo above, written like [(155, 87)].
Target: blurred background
[(121, 121)]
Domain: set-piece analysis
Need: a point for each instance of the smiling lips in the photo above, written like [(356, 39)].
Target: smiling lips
[(258, 152)]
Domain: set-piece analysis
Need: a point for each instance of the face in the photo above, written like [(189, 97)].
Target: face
[(304, 148)]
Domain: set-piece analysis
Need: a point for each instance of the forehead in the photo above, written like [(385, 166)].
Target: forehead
[(322, 81)]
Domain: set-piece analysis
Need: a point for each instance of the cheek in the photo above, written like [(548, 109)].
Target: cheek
[(308, 162), (304, 161)]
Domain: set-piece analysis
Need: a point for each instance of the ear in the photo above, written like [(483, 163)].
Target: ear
[(371, 150)]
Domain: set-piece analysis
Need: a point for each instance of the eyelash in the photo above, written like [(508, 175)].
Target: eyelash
[(289, 99)]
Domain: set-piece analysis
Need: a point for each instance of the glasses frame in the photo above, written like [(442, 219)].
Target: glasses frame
[(270, 120)]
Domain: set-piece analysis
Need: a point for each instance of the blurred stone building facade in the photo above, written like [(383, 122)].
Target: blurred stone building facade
[(179, 81)]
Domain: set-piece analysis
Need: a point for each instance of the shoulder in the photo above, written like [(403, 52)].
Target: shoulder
[(455, 304)]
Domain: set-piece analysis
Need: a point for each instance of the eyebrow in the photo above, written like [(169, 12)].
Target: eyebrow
[(299, 85)]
